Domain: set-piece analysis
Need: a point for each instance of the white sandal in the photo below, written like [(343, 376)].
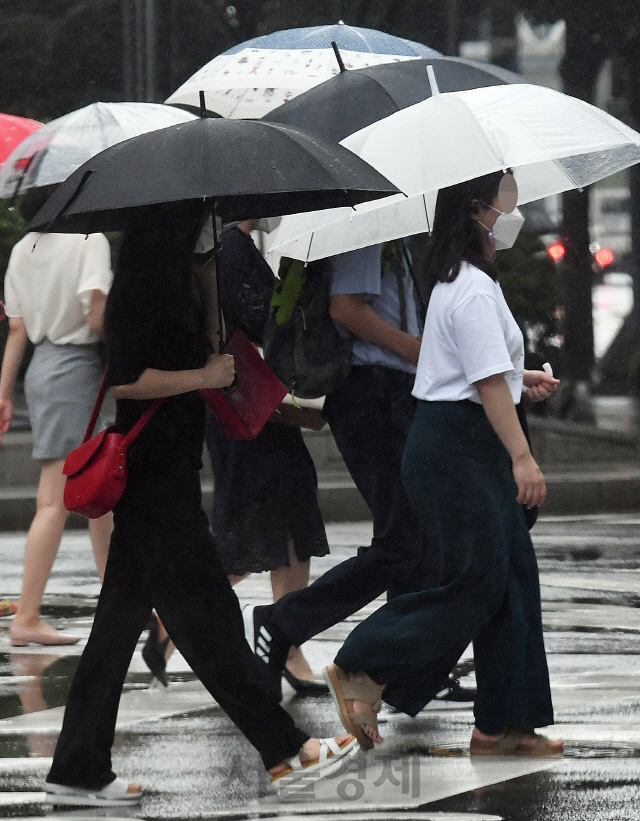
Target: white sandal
[(332, 756), (115, 794)]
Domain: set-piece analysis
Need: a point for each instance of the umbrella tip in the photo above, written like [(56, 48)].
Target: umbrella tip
[(432, 81), (336, 51), (203, 105)]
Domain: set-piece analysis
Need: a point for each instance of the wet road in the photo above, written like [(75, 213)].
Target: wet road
[(193, 763)]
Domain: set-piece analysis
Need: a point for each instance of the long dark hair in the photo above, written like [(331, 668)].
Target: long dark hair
[(456, 236), (154, 279)]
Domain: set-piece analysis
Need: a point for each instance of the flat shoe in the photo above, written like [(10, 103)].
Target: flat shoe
[(115, 794), (305, 687), (512, 743), (344, 692), (332, 756), (21, 636)]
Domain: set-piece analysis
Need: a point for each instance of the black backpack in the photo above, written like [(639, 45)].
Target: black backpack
[(301, 343)]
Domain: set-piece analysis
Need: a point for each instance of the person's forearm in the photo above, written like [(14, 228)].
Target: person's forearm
[(13, 353), (501, 412), (363, 321), (154, 384), (207, 276), (95, 316)]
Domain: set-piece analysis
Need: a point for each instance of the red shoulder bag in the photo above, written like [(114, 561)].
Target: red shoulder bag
[(96, 471)]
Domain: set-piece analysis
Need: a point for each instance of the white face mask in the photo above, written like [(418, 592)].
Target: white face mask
[(505, 230)]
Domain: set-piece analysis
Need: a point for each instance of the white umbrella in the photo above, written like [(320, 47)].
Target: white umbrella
[(553, 142), (54, 152), (252, 82)]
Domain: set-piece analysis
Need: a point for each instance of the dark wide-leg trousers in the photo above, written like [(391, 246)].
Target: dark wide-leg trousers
[(459, 480), (172, 566), (370, 416)]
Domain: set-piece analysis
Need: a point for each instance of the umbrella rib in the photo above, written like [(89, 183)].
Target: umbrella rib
[(309, 248), (426, 212)]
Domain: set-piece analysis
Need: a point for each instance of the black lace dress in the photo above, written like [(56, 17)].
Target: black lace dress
[(265, 488)]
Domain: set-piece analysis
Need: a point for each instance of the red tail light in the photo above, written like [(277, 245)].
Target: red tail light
[(556, 251), (604, 257)]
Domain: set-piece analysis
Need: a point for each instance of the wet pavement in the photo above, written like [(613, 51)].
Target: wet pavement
[(193, 763)]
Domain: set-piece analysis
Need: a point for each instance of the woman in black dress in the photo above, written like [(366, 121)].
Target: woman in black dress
[(162, 555), (265, 507)]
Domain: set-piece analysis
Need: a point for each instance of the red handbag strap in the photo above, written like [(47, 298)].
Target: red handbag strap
[(135, 430), (96, 407)]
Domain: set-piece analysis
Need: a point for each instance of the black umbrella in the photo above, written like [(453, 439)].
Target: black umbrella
[(244, 169), (354, 99)]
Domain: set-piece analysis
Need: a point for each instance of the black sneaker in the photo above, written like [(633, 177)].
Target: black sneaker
[(454, 691), (267, 643)]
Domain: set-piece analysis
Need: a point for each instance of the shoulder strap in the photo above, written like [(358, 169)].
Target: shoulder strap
[(135, 430), (96, 408)]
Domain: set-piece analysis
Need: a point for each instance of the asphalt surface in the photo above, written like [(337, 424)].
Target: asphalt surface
[(193, 763)]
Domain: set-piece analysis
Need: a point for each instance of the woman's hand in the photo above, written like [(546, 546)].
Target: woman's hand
[(532, 490), (6, 414), (219, 371), (539, 385)]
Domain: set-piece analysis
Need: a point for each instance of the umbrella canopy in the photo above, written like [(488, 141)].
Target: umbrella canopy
[(13, 130), (245, 170), (253, 81), (58, 148), (354, 99), (553, 142), (347, 38), (259, 75)]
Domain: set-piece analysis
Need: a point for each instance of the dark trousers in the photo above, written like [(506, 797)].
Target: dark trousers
[(370, 416), (171, 566), (459, 479)]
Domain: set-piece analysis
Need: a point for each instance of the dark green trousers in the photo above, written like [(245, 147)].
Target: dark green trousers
[(458, 478)]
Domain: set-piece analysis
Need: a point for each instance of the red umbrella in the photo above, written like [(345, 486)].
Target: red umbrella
[(13, 131)]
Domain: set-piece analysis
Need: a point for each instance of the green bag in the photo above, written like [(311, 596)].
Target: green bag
[(301, 342)]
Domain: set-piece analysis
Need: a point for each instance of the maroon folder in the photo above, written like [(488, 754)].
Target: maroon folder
[(245, 407)]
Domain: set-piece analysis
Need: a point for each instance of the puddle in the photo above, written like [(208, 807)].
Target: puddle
[(33, 682)]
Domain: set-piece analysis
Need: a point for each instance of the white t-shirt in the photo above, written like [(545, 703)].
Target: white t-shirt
[(50, 285), (469, 334)]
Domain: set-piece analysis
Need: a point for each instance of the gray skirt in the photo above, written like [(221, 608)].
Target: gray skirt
[(61, 386)]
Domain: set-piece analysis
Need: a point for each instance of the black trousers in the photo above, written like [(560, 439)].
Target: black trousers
[(459, 478), (370, 416), (170, 564)]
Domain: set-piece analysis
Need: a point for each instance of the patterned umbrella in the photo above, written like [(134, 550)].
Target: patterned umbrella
[(256, 76)]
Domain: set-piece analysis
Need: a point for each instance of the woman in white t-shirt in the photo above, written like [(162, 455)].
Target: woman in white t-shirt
[(468, 471), (55, 288)]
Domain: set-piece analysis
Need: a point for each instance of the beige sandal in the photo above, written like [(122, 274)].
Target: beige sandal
[(511, 742), (344, 692)]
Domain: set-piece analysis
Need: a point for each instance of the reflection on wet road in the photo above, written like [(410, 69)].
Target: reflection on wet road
[(194, 763)]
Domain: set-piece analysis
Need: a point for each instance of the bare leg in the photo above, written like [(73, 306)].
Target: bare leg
[(233, 580), (43, 541), (284, 580), (100, 533)]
